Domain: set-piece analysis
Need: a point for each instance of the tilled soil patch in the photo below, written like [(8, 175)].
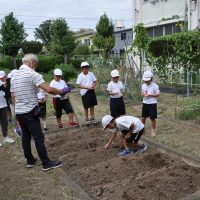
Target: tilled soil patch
[(151, 175)]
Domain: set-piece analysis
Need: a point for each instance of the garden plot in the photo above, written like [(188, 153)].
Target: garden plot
[(103, 175)]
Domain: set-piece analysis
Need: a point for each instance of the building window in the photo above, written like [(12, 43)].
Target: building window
[(121, 51), (123, 36), (176, 28), (87, 42), (150, 31), (158, 31), (165, 29), (168, 29)]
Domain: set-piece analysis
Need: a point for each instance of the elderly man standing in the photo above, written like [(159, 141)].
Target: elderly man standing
[(24, 88)]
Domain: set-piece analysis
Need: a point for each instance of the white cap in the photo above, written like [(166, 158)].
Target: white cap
[(106, 120), (57, 72), (11, 73), (114, 73), (84, 64), (147, 75), (2, 74)]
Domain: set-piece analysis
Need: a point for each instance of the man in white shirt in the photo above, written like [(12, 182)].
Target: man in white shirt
[(87, 81), (24, 88), (130, 129)]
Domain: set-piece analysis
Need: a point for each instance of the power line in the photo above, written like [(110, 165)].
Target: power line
[(70, 18)]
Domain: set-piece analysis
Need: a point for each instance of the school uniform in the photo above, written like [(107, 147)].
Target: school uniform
[(59, 102), (88, 96), (123, 125), (117, 106), (42, 95), (3, 111), (149, 107)]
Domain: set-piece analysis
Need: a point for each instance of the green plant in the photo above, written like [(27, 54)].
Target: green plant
[(47, 63), (69, 72)]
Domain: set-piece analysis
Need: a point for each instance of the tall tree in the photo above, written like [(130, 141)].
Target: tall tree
[(44, 33), (31, 47), (104, 38), (63, 40), (12, 36)]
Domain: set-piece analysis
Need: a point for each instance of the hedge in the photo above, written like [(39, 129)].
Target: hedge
[(46, 63)]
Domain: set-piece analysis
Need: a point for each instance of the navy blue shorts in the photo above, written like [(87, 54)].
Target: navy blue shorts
[(149, 110), (117, 107), (62, 104), (89, 99)]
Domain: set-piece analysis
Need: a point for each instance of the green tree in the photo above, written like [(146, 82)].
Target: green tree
[(44, 33), (63, 40), (104, 38), (12, 36), (32, 47), (141, 42), (82, 49)]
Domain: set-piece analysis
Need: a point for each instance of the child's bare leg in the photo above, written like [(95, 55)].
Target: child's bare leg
[(86, 113), (44, 123), (92, 111), (123, 141), (143, 120), (59, 120), (70, 115), (153, 124)]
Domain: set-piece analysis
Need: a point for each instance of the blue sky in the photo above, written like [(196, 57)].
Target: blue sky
[(78, 14)]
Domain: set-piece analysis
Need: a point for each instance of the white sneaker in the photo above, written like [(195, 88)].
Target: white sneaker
[(153, 134), (0, 145), (8, 140)]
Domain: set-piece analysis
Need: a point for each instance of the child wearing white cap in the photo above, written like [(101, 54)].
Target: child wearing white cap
[(11, 106), (42, 97), (131, 130), (87, 81), (62, 102), (115, 90), (3, 110), (150, 92)]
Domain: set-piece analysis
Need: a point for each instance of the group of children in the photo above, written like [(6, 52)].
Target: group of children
[(129, 128)]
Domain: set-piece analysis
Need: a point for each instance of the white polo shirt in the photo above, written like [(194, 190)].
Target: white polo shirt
[(85, 80), (150, 89), (24, 85), (125, 122), (41, 94), (115, 88), (58, 85), (3, 103)]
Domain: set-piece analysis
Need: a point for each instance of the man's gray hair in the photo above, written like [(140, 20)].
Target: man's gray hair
[(29, 57)]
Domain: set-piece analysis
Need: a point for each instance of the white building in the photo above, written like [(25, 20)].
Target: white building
[(164, 17)]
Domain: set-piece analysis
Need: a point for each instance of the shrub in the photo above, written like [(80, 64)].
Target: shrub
[(69, 72), (190, 112), (47, 63), (76, 63)]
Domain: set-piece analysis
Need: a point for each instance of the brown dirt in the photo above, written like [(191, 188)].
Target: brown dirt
[(103, 175), (151, 175)]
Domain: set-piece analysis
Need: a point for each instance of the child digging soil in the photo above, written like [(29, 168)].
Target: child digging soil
[(130, 129)]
